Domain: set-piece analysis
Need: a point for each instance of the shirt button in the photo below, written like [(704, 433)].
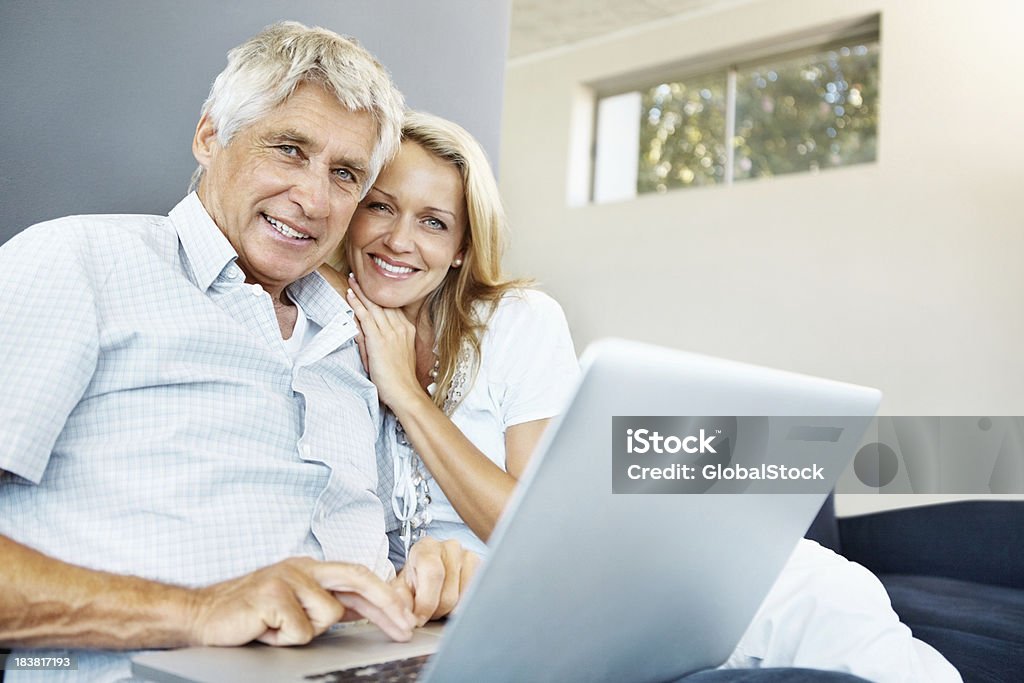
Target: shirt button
[(233, 274), (256, 290)]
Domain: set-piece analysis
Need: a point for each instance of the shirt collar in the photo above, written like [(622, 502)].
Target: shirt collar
[(209, 254), (207, 250), (320, 301)]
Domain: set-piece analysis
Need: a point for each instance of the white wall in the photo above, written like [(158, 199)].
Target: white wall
[(906, 274)]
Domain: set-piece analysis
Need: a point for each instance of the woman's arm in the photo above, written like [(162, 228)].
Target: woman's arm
[(477, 488)]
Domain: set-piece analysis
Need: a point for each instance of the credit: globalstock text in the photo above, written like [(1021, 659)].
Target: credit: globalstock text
[(680, 454), (727, 472)]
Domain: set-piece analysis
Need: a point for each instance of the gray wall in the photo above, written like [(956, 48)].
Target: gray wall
[(101, 97)]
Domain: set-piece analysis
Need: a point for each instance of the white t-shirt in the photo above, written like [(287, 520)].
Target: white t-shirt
[(527, 368), (303, 332)]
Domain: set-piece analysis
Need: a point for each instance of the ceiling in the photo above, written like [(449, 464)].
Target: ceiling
[(539, 25)]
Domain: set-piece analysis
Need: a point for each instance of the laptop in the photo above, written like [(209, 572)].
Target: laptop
[(582, 583)]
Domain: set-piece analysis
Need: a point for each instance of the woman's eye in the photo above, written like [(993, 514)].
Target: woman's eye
[(378, 206), (435, 224)]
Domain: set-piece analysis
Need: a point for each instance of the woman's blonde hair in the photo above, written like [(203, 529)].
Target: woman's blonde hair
[(461, 305)]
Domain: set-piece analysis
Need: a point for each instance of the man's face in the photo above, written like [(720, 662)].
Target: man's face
[(284, 188)]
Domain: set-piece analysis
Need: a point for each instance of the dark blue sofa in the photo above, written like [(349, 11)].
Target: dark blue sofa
[(954, 573)]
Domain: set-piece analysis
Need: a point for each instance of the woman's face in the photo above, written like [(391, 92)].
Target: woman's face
[(408, 231)]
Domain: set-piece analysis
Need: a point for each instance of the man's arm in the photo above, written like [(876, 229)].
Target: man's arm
[(49, 335), (50, 603)]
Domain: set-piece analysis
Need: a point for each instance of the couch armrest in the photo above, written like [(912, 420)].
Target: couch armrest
[(977, 540), (825, 529)]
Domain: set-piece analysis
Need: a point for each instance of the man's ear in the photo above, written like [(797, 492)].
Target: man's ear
[(204, 141)]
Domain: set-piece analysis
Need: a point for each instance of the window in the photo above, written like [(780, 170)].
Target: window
[(804, 109)]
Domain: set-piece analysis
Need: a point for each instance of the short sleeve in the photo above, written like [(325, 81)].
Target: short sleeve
[(49, 338), (530, 356)]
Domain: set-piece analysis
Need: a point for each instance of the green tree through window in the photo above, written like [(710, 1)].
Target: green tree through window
[(799, 114), (682, 135)]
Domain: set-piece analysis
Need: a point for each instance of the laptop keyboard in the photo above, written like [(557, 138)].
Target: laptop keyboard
[(395, 671)]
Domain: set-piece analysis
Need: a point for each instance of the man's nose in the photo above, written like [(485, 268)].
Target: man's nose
[(311, 191)]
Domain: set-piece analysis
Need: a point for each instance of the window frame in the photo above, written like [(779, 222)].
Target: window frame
[(727, 62)]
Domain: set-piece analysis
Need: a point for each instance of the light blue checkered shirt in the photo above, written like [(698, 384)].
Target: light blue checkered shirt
[(152, 421)]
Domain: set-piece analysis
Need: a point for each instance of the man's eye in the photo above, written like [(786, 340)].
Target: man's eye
[(288, 150), (345, 174)]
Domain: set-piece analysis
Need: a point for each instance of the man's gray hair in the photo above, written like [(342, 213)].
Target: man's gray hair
[(265, 70)]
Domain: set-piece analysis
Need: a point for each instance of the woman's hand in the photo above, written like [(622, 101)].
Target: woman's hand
[(388, 345)]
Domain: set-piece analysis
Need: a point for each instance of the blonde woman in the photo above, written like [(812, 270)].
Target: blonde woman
[(471, 366)]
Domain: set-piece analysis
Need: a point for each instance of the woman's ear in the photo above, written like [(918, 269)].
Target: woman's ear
[(204, 141)]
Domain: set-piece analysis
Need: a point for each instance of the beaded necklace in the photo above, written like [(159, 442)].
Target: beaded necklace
[(410, 498)]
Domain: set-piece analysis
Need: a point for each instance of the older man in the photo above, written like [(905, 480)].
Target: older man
[(187, 435)]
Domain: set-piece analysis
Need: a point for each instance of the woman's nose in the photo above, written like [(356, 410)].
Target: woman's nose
[(400, 238)]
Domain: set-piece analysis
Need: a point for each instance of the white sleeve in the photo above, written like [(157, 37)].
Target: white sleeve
[(50, 341), (530, 356), (825, 612)]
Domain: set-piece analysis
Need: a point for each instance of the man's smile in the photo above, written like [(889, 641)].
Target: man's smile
[(284, 229)]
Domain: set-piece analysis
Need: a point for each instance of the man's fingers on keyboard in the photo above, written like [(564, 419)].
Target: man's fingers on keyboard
[(400, 629), (342, 578)]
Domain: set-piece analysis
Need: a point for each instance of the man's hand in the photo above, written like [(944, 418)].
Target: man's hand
[(435, 576), (292, 602)]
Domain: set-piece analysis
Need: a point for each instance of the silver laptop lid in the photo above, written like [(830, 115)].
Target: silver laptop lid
[(586, 585)]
